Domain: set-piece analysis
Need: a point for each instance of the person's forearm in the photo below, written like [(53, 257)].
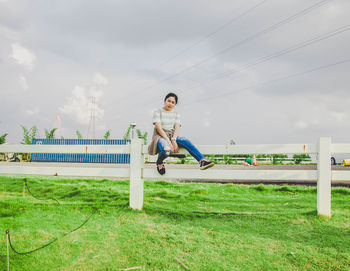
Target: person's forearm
[(162, 133), (176, 131)]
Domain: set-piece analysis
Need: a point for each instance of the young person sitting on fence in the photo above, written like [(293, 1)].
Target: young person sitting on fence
[(166, 139), (250, 161)]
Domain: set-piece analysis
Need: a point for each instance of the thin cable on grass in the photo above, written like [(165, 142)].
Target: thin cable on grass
[(94, 212), (26, 185), (49, 243), (31, 251), (181, 263)]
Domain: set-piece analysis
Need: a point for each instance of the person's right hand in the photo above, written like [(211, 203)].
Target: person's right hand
[(171, 147), (175, 146)]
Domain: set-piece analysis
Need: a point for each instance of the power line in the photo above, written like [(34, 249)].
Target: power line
[(266, 58), (264, 31), (277, 54), (345, 28), (221, 27), (229, 93), (200, 41), (289, 49)]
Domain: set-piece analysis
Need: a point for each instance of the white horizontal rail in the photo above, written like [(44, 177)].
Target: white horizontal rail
[(216, 174), (340, 148), (340, 175), (285, 175), (88, 149), (65, 171), (251, 149)]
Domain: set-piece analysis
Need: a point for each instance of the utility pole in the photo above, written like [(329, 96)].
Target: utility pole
[(92, 122)]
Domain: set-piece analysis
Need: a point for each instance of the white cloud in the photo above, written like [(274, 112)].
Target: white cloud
[(78, 105), (34, 111), (300, 124), (206, 123), (23, 56), (100, 80), (23, 82), (96, 93), (65, 55), (338, 116)]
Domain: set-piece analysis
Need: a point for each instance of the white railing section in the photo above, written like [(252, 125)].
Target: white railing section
[(136, 171)]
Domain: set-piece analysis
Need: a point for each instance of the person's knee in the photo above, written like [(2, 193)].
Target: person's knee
[(167, 150), (185, 142)]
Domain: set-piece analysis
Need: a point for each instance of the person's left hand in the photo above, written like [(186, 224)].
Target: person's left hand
[(176, 147)]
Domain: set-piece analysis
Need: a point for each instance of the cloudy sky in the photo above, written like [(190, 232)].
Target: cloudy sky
[(255, 71)]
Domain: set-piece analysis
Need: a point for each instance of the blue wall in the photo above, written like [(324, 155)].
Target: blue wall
[(81, 157)]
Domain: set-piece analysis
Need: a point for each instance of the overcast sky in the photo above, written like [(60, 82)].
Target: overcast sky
[(273, 71)]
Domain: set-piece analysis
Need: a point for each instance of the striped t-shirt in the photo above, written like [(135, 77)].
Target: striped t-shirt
[(167, 119)]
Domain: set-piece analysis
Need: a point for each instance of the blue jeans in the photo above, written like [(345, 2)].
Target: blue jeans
[(182, 142)]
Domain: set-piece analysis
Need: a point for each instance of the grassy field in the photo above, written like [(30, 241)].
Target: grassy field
[(204, 226)]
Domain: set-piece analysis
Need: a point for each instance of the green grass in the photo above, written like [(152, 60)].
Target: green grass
[(205, 226)]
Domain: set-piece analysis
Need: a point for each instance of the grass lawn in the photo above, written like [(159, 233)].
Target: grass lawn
[(204, 226)]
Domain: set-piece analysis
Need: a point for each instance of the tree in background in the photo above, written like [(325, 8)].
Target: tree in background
[(29, 135), (298, 158), (3, 138), (278, 158), (50, 134), (79, 134), (142, 136), (138, 132), (2, 141), (128, 131), (107, 134)]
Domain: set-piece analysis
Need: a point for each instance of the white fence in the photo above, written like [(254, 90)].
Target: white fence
[(136, 171)]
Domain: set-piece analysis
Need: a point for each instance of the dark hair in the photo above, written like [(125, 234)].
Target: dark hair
[(171, 95)]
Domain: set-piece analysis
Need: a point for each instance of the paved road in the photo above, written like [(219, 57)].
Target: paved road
[(224, 167)]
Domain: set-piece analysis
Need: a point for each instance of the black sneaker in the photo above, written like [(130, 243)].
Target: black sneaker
[(161, 169), (204, 164)]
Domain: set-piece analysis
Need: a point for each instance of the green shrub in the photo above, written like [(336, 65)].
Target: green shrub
[(298, 158)]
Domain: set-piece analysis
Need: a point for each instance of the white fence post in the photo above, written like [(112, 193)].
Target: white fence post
[(324, 176), (136, 181)]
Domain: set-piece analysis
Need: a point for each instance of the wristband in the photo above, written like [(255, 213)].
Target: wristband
[(173, 139)]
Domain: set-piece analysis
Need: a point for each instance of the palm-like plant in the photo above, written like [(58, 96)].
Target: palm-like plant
[(79, 134), (50, 134), (138, 132), (2, 141), (29, 134), (3, 138), (142, 136), (127, 133), (107, 134)]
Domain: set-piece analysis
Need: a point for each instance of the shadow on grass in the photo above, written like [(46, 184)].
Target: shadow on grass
[(305, 227), (188, 214)]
